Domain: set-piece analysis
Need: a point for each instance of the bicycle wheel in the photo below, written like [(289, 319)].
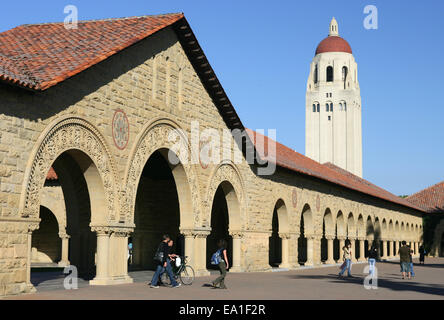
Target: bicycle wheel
[(187, 275)]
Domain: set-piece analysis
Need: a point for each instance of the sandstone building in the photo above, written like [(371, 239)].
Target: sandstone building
[(86, 163)]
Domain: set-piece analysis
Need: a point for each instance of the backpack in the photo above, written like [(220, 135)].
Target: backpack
[(158, 256), (215, 258)]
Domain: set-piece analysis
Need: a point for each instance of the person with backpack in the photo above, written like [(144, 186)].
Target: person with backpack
[(162, 259), (372, 256), (220, 258), (411, 263), (347, 255)]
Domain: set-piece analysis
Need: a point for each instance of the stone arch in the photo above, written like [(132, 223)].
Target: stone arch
[(227, 176), (166, 136), (277, 252), (370, 230), (384, 228), (351, 226), (390, 229), (396, 231), (72, 133), (341, 226), (360, 226), (329, 223)]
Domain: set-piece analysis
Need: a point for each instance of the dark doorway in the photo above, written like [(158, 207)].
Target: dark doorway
[(275, 243), (156, 212), (219, 228)]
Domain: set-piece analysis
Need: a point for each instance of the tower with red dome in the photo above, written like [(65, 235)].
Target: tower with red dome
[(333, 131)]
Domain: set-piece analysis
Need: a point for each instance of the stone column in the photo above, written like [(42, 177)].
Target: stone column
[(200, 252), (341, 245), (65, 249), (310, 248), (237, 242), (103, 235), (353, 248), (330, 259), (31, 227), (293, 250), (383, 249), (416, 249), (361, 249), (285, 250)]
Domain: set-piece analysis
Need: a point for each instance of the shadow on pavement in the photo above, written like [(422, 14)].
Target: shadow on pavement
[(400, 285)]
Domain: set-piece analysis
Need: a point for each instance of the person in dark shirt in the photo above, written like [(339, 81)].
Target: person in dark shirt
[(404, 257), (163, 264), (372, 256), (223, 265), (421, 254)]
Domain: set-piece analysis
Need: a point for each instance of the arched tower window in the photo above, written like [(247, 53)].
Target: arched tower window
[(344, 74), (314, 107), (331, 107), (318, 107), (329, 74), (315, 76)]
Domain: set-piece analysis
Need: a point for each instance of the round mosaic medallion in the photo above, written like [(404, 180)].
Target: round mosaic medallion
[(120, 129), (294, 198), (204, 153)]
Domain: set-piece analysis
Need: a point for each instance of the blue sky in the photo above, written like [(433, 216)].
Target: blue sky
[(261, 51)]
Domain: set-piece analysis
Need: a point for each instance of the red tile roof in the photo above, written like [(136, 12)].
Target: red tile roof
[(52, 175), (431, 199), (333, 44), (39, 56), (290, 159)]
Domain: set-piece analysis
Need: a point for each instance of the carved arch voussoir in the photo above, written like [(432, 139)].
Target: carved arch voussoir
[(70, 133), (155, 136), (226, 171)]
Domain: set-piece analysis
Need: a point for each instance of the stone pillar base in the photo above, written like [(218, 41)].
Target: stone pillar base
[(236, 269), (63, 263), (362, 260), (330, 261), (309, 264), (111, 281), (202, 273), (30, 288)]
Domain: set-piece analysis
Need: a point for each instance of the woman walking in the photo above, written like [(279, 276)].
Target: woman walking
[(222, 261), (347, 254)]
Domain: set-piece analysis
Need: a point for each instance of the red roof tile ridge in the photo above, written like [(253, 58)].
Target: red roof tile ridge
[(100, 20), (426, 189)]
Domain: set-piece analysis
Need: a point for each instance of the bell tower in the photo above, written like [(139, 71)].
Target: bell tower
[(333, 131)]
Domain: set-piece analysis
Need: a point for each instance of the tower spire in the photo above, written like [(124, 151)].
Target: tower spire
[(333, 28)]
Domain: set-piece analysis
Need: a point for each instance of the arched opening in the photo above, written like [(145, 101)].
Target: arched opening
[(46, 244), (329, 74), (275, 243), (344, 75), (162, 193), (83, 195), (328, 231), (341, 234), (315, 74), (370, 234), (225, 207), (305, 254)]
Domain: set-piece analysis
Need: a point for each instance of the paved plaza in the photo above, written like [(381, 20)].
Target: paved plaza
[(305, 283)]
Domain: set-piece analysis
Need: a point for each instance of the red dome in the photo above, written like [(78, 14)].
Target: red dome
[(333, 44)]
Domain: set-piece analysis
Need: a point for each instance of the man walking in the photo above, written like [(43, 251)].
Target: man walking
[(163, 262), (404, 258)]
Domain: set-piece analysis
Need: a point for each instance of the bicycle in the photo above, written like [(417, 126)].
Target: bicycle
[(185, 273)]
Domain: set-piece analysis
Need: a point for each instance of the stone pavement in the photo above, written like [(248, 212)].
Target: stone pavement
[(304, 283)]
